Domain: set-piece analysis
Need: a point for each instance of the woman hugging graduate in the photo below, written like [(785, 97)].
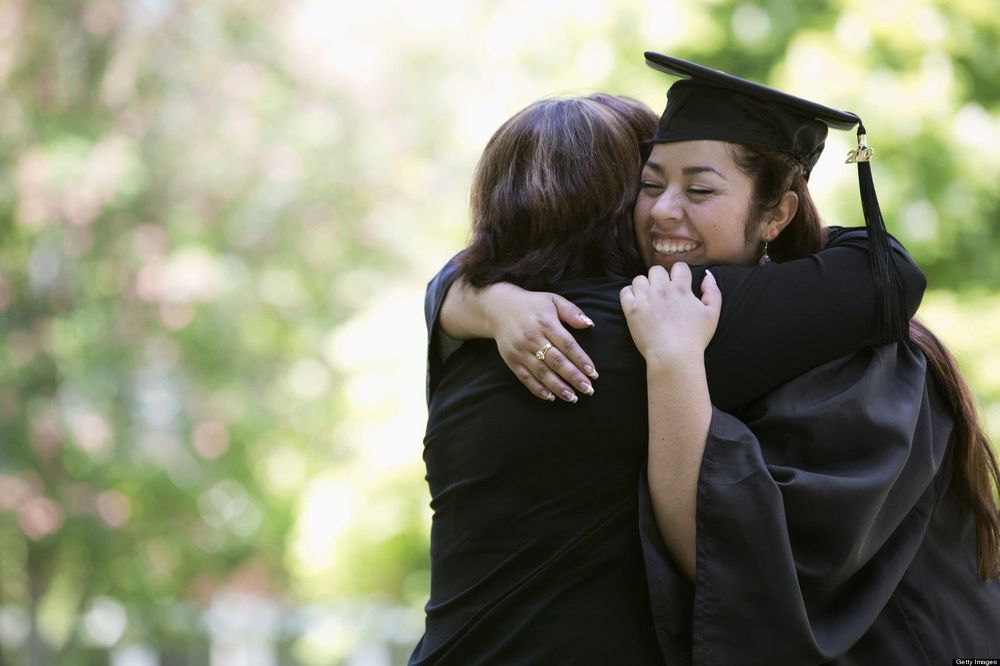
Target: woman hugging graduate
[(813, 485)]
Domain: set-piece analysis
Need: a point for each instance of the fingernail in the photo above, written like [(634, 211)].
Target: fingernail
[(587, 388), (709, 274), (548, 396), (586, 320), (591, 372), (569, 396)]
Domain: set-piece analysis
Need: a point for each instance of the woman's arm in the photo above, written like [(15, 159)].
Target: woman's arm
[(671, 328)]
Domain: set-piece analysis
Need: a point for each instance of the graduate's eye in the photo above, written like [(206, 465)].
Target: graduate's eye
[(649, 187), (700, 191)]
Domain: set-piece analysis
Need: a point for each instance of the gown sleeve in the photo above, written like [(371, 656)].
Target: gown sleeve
[(808, 515), (781, 319), (777, 320)]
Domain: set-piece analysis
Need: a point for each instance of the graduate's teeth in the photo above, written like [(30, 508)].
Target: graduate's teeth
[(673, 247)]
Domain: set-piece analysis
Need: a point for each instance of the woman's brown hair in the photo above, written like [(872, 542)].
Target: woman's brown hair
[(976, 471), (553, 192)]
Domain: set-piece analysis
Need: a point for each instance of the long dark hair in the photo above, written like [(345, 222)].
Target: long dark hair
[(976, 472), (553, 192), (976, 469)]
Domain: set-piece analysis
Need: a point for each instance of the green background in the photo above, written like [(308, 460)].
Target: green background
[(216, 223)]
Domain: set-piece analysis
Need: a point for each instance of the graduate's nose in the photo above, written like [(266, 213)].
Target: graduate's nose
[(669, 207)]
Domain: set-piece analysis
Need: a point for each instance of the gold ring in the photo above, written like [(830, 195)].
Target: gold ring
[(540, 354)]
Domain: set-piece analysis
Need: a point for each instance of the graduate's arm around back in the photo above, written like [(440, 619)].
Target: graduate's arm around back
[(762, 340)]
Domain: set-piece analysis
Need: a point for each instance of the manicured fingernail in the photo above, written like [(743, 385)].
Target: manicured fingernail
[(587, 388), (591, 372), (586, 320), (709, 274), (548, 396), (569, 396)]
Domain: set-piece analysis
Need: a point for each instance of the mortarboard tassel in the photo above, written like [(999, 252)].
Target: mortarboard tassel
[(892, 325)]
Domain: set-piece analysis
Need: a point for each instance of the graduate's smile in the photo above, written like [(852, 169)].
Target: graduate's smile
[(674, 247)]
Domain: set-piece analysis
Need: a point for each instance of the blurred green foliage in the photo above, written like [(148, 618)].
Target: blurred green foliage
[(216, 219)]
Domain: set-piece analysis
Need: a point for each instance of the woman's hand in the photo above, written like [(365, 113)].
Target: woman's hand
[(667, 321), (529, 333), (530, 336)]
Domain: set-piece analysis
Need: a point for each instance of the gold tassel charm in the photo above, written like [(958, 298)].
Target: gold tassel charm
[(862, 153)]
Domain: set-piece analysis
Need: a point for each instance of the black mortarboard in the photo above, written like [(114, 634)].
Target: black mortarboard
[(709, 104)]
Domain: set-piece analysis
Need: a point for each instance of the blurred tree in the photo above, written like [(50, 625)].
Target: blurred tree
[(171, 224)]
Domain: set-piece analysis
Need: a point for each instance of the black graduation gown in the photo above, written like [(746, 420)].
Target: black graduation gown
[(829, 529), (536, 555)]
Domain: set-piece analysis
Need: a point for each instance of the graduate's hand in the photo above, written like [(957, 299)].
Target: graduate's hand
[(523, 323), (667, 321)]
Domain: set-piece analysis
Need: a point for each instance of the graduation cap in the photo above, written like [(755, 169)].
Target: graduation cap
[(709, 104)]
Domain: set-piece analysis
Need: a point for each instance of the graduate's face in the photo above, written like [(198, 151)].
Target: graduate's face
[(694, 206)]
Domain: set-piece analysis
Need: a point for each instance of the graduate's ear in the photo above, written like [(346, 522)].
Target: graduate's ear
[(784, 213)]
